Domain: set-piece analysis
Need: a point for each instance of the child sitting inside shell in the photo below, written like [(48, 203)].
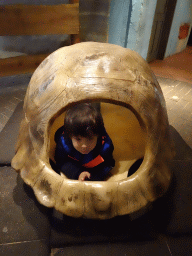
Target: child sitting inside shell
[(84, 150)]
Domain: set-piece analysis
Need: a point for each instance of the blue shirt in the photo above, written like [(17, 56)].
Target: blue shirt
[(99, 160)]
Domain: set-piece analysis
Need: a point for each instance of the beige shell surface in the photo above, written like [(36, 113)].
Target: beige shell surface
[(97, 72)]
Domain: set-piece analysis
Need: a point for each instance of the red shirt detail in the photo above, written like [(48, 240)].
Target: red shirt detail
[(96, 161)]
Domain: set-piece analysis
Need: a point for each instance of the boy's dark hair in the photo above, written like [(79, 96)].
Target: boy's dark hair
[(83, 120)]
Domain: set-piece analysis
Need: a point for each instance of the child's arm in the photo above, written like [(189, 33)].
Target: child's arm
[(60, 154), (107, 147), (107, 151)]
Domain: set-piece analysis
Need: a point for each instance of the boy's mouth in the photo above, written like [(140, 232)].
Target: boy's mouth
[(85, 151)]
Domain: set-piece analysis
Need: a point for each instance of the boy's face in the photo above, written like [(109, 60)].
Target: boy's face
[(84, 145)]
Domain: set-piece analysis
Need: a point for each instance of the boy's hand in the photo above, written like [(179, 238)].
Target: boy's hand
[(84, 175)]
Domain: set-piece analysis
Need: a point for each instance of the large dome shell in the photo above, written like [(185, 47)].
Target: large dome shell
[(94, 72)]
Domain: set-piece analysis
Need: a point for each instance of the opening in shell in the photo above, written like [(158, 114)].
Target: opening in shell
[(124, 129)]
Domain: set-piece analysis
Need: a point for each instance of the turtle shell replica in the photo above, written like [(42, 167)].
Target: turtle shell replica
[(135, 117)]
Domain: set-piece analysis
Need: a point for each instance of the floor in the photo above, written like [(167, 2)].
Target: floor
[(9, 101), (176, 67), (175, 77)]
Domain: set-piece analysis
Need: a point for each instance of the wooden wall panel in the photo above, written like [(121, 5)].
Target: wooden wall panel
[(20, 65), (39, 19)]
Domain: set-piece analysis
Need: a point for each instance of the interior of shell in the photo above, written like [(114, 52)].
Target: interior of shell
[(126, 132)]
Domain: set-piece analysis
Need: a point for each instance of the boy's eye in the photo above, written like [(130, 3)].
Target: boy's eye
[(92, 138), (77, 138)]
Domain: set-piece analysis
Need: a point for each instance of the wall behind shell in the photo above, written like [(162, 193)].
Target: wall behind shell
[(183, 14), (94, 15), (130, 24), (11, 46)]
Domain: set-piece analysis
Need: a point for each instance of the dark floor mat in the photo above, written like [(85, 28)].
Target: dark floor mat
[(9, 134)]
